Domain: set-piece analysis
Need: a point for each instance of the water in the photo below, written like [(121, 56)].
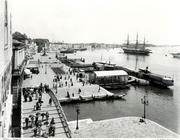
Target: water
[(164, 104)]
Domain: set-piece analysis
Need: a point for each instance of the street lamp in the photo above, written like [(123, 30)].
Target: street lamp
[(78, 112), (45, 68), (145, 102), (56, 85)]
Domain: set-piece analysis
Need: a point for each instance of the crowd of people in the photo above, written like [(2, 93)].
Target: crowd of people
[(38, 119), (66, 80)]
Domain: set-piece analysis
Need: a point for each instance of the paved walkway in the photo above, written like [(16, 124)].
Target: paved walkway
[(27, 107), (128, 127), (29, 110), (125, 127)]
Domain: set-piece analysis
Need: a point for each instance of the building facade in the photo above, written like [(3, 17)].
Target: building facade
[(5, 70), (18, 64)]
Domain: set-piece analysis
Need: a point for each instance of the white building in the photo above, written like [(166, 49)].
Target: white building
[(111, 77), (5, 70)]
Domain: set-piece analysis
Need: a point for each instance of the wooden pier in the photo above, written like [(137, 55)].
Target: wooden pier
[(152, 78)]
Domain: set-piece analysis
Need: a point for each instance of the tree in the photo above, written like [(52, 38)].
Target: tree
[(20, 37), (41, 43)]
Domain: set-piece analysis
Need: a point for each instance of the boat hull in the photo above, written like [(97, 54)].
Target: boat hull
[(115, 86), (176, 56), (68, 51), (136, 51), (156, 79)]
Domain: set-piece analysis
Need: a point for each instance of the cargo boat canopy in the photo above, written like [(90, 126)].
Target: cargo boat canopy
[(110, 73)]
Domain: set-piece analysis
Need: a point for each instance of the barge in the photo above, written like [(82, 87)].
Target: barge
[(156, 79)]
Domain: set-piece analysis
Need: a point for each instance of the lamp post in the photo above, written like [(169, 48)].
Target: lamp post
[(56, 85), (45, 68), (145, 102), (78, 112)]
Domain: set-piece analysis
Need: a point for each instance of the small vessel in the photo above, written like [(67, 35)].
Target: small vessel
[(136, 48), (116, 86), (81, 49), (68, 51), (156, 79), (176, 55)]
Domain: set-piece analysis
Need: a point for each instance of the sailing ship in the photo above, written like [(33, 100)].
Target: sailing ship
[(136, 48)]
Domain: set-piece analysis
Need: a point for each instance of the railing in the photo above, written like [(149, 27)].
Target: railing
[(60, 113), (17, 71)]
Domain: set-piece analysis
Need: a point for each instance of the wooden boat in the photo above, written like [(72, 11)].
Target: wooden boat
[(116, 86), (135, 48), (68, 51), (176, 55), (85, 98)]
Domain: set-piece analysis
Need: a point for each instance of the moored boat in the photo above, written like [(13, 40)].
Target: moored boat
[(68, 51), (176, 55), (156, 79), (137, 48), (116, 86)]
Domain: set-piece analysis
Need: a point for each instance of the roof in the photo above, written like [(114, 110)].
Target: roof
[(110, 73), (32, 64)]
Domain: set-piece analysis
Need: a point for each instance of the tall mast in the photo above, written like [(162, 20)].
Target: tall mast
[(144, 43), (128, 40), (137, 41)]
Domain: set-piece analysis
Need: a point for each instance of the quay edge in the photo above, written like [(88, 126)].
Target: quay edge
[(124, 127)]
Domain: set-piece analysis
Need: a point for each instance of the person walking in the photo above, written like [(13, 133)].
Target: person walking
[(50, 101), (39, 130), (43, 114), (99, 89), (68, 96), (36, 95), (79, 91), (72, 94), (47, 116), (52, 121), (27, 122), (53, 131), (40, 100), (35, 131), (47, 131), (36, 120), (32, 120), (30, 98), (25, 97)]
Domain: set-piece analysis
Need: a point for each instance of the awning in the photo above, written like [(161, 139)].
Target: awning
[(27, 71), (110, 73)]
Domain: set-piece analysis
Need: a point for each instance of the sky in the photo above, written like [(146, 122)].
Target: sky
[(102, 21)]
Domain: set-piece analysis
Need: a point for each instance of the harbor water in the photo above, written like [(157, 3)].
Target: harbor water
[(164, 104)]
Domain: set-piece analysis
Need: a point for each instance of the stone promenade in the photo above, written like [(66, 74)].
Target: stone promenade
[(125, 127), (45, 76)]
